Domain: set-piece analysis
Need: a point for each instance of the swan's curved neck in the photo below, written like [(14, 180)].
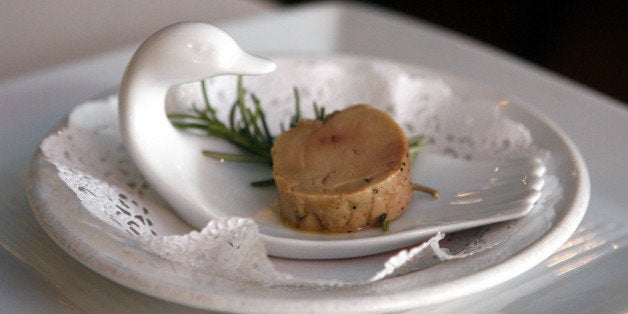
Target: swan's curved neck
[(158, 149), (180, 53), (143, 118)]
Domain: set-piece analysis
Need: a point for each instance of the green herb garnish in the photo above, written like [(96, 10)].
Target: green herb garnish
[(319, 113), (383, 223), (247, 127), (415, 143)]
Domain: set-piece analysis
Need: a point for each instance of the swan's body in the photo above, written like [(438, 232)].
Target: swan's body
[(180, 53)]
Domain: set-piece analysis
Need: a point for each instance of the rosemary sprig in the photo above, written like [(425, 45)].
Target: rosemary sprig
[(319, 112), (415, 144), (297, 108), (247, 128), (383, 223), (263, 183)]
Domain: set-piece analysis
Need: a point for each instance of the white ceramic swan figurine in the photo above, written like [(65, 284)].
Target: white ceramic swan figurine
[(180, 53), (172, 162)]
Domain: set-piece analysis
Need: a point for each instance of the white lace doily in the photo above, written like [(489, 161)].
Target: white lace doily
[(91, 159)]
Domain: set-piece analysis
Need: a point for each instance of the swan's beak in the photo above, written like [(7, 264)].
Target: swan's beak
[(248, 64)]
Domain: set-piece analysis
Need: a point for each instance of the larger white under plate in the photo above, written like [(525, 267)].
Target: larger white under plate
[(123, 259)]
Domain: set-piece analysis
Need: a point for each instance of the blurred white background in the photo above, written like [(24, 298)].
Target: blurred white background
[(37, 34)]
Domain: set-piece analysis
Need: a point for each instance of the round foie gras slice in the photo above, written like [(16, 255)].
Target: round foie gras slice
[(344, 173)]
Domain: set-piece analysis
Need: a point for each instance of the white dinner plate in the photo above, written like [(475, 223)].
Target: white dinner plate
[(122, 258)]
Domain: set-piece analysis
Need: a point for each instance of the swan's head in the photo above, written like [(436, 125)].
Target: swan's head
[(187, 52)]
